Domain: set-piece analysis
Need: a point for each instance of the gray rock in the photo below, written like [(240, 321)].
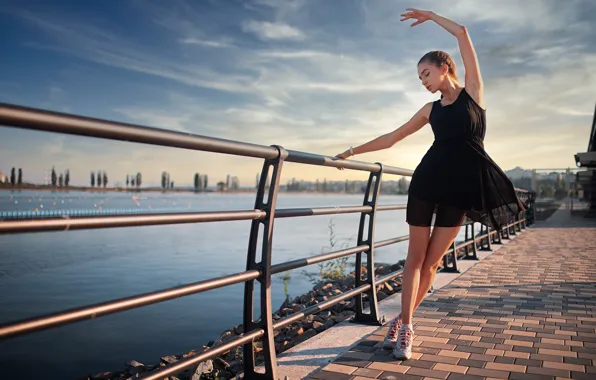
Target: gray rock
[(202, 369), (133, 367), (167, 360)]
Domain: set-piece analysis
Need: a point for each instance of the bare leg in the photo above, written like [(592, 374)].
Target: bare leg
[(419, 240), (441, 239)]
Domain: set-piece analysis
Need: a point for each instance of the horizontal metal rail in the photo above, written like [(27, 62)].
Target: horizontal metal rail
[(110, 307), (66, 222), (49, 121)]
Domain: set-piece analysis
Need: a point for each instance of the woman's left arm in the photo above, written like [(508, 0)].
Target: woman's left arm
[(473, 78)]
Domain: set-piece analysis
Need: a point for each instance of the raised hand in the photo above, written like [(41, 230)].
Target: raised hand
[(417, 14)]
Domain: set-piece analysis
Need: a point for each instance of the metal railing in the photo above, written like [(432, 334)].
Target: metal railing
[(262, 216)]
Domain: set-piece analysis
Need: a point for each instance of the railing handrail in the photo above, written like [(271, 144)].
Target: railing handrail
[(51, 121), (263, 215)]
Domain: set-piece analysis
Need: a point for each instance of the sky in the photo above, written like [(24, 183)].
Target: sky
[(309, 75)]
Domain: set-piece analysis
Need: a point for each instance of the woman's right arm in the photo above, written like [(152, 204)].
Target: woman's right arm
[(387, 140)]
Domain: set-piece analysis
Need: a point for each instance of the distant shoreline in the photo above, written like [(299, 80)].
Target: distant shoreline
[(158, 190)]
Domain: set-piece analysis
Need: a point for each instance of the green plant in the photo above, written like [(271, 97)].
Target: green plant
[(332, 269), (286, 279)]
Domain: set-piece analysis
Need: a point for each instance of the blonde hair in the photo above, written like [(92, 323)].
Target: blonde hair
[(440, 58)]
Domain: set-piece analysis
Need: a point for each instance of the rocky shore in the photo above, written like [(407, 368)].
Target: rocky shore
[(228, 365)]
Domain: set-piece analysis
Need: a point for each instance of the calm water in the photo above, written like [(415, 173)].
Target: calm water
[(50, 271)]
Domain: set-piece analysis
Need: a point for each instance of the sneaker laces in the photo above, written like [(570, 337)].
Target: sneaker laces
[(405, 337), (393, 327)]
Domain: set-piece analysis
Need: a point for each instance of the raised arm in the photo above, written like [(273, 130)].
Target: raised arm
[(387, 140), (473, 78)]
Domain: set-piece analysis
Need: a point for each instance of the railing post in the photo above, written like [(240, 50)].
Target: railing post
[(474, 255), (453, 268), (267, 204), (482, 246), (372, 189)]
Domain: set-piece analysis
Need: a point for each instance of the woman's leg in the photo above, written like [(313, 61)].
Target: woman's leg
[(447, 225), (419, 240), (440, 240)]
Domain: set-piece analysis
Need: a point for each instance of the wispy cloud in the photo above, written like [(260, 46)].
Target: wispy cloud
[(207, 43), (266, 30)]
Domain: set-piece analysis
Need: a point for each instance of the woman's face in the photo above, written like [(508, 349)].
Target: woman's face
[(431, 76)]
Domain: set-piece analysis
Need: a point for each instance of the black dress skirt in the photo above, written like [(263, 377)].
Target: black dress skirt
[(456, 177)]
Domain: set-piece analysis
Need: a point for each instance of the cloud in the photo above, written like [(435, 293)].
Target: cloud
[(273, 31), (206, 43)]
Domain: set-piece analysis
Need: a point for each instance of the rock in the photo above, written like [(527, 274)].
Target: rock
[(167, 360), (351, 305), (221, 364), (389, 287), (296, 331), (238, 329), (307, 335), (226, 334), (324, 314), (329, 323), (133, 367), (306, 298), (202, 369), (318, 326), (235, 366), (298, 308)]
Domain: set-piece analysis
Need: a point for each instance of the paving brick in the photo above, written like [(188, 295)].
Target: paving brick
[(367, 372)]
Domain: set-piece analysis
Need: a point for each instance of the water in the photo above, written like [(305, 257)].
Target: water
[(51, 271)]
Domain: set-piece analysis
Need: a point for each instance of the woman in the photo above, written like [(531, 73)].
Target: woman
[(455, 178)]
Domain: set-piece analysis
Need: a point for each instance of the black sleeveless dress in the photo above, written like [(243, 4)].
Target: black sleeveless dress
[(457, 174)]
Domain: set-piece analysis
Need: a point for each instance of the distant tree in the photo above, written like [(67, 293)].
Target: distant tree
[(67, 178), (221, 185), (60, 181), (138, 182), (132, 182), (172, 185), (205, 182), (127, 180), (197, 179), (105, 179), (54, 178), (98, 179), (13, 180), (346, 188), (92, 179), (163, 180), (20, 177)]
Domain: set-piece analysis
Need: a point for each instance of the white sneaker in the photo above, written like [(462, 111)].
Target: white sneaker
[(391, 337), (403, 347)]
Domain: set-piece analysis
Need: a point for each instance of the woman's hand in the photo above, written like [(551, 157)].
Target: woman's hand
[(419, 15), (342, 156)]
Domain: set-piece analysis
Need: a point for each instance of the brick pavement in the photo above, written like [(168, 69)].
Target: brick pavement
[(528, 311)]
